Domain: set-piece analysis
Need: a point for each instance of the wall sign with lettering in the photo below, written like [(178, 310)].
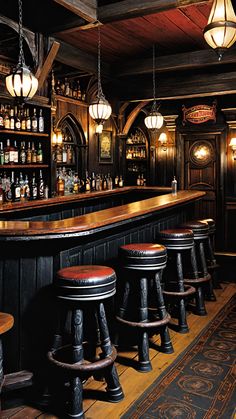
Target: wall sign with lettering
[(199, 113)]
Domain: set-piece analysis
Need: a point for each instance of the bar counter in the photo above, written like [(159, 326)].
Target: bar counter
[(33, 251)]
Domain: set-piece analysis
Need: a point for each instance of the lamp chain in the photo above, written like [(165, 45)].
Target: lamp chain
[(100, 92), (21, 53), (153, 73)]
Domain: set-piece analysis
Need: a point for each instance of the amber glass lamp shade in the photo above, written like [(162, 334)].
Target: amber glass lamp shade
[(21, 83), (220, 32), (232, 145)]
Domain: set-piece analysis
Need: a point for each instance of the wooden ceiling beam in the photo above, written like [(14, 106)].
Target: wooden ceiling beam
[(79, 59), (175, 62), (86, 9), (43, 72), (133, 8), (179, 87)]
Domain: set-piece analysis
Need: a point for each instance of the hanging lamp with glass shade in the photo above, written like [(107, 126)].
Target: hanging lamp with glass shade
[(154, 120), (220, 32), (21, 83), (99, 109)]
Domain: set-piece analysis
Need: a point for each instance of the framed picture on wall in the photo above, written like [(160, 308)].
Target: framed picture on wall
[(105, 151)]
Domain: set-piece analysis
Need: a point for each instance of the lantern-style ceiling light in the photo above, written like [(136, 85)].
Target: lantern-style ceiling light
[(155, 119), (220, 32), (100, 109), (21, 83)]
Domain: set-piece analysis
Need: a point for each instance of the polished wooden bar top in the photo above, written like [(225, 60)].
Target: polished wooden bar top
[(88, 223), (10, 207)]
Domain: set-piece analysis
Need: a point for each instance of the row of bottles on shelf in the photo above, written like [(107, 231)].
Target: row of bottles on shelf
[(64, 154), (18, 119), (69, 88), (133, 167), (68, 182), (136, 152), (14, 189), (136, 138), (11, 154)]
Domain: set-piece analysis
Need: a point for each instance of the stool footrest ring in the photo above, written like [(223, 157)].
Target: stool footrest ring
[(145, 325), (189, 290), (196, 281), (82, 367)]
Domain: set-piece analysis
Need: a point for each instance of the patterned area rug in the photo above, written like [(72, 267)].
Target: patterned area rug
[(201, 383)]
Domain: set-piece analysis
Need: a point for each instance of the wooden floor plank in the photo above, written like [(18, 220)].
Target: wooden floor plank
[(133, 382)]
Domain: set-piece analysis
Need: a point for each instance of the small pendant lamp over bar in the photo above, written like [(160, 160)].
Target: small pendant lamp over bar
[(21, 83), (155, 119), (99, 109), (220, 32)]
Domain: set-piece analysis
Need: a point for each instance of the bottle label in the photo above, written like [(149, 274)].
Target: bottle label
[(34, 125), (1, 122), (39, 158), (12, 156), (17, 192), (41, 124), (6, 157), (7, 124), (28, 125), (17, 124)]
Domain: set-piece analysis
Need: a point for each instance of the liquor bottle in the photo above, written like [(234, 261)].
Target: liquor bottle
[(15, 189), (39, 157), (28, 154), (6, 118), (141, 180), (33, 154), (9, 153), (69, 154), (174, 186), (121, 182), (34, 122), (60, 186), (138, 180), (116, 181), (59, 154), (104, 183), (79, 94), (26, 188), (23, 120), (64, 154), (28, 120), (12, 119), (17, 120), (1, 117), (16, 153), (41, 121), (40, 186), (22, 186), (87, 183), (33, 188), (67, 88), (1, 154), (109, 182), (22, 156), (93, 182)]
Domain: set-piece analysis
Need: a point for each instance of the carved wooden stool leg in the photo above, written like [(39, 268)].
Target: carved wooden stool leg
[(164, 331), (114, 391), (143, 345), (75, 408), (183, 326), (210, 296), (200, 304)]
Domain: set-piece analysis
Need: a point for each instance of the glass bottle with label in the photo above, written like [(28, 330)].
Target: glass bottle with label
[(64, 154), (27, 188), (33, 188), (60, 187), (23, 120), (34, 122), (40, 186), (39, 154), (174, 186), (1, 117), (1, 154), (9, 153), (12, 119), (33, 154), (28, 120), (28, 154), (6, 120), (15, 189), (41, 121), (17, 120), (16, 153), (22, 156), (121, 182)]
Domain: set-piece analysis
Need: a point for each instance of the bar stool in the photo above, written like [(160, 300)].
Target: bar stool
[(178, 242), (210, 252), (142, 267), (6, 323), (82, 290), (201, 235)]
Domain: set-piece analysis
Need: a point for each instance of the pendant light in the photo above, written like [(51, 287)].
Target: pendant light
[(220, 32), (99, 109), (155, 119), (21, 83)]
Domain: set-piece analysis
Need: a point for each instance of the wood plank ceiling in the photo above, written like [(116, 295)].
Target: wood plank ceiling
[(128, 31)]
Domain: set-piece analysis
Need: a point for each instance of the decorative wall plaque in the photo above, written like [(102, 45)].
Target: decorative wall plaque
[(199, 113)]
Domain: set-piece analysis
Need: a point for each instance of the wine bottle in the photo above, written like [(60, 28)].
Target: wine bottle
[(28, 154), (1, 154), (40, 186), (39, 154), (22, 156), (33, 154), (1, 117), (28, 120), (33, 188), (34, 122), (41, 121), (6, 119)]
